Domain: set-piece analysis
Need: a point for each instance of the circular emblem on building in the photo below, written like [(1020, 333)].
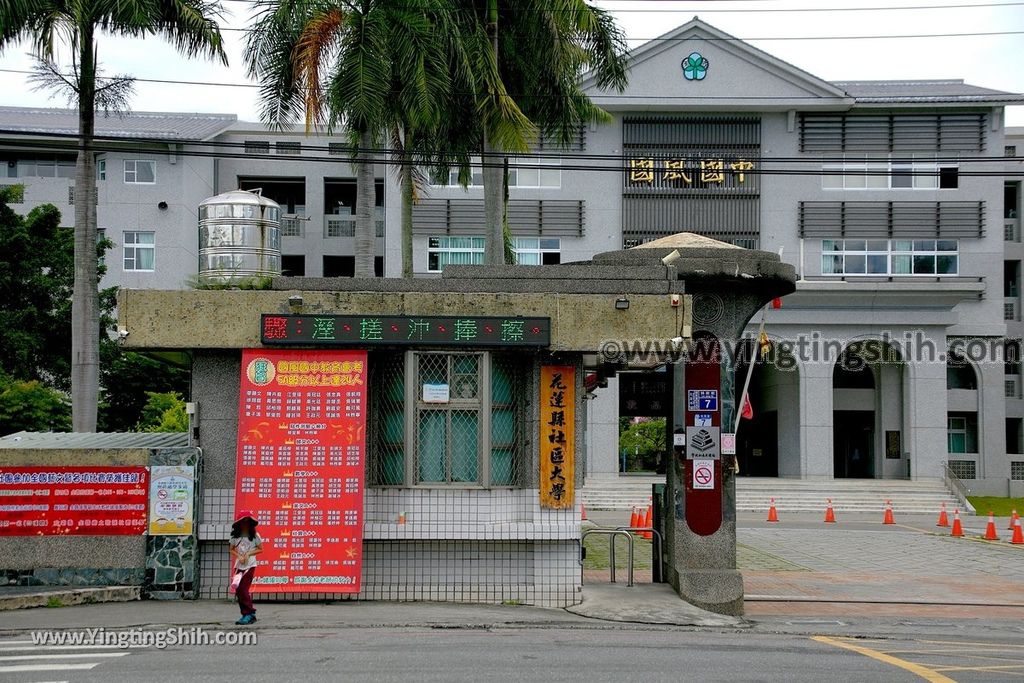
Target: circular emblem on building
[(695, 67), (708, 309), (260, 371)]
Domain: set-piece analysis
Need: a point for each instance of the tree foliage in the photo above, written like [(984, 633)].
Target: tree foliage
[(164, 412), (31, 406)]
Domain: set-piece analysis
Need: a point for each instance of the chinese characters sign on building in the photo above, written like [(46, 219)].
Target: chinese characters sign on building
[(301, 454), (80, 501), (557, 436), (369, 330), (688, 172)]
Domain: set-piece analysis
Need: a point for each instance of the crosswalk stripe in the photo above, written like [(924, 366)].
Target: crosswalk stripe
[(69, 647), (77, 655), (47, 667)]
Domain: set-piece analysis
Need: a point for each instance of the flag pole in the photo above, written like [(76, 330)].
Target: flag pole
[(750, 371)]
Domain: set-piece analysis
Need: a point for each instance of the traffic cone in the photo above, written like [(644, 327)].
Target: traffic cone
[(943, 517), (990, 529), (888, 519), (634, 519), (1018, 535), (1013, 520), (830, 515), (648, 521), (773, 515), (583, 512), (958, 529)]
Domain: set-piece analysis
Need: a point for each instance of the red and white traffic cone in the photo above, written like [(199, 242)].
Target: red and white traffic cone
[(958, 529), (943, 517), (830, 515), (1018, 535), (1013, 520), (990, 528), (888, 518), (773, 514)]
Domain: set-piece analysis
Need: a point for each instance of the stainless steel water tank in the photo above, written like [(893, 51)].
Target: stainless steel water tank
[(239, 236)]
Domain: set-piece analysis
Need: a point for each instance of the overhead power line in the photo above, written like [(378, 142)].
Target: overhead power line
[(385, 160), (222, 84)]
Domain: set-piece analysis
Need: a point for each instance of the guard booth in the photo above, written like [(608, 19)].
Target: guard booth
[(405, 439)]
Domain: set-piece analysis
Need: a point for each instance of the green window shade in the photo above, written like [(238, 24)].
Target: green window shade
[(432, 445), (386, 448), (465, 448), (503, 424)]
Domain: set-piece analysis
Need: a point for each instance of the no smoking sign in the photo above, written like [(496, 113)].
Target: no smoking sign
[(703, 474)]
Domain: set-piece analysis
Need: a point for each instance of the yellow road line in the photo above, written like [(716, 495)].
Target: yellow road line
[(968, 642), (980, 668), (914, 668)]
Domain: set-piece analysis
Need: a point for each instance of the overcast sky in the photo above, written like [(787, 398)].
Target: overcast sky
[(991, 61)]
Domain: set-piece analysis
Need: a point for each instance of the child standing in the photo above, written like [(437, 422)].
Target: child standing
[(245, 544)]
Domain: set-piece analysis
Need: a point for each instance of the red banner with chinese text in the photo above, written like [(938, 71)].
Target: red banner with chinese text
[(301, 450), (557, 436), (78, 501)]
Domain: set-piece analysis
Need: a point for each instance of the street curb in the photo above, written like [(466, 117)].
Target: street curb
[(856, 601), (70, 596)]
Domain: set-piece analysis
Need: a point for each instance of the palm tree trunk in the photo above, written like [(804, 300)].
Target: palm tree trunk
[(408, 191), (366, 223), (85, 318), (494, 245)]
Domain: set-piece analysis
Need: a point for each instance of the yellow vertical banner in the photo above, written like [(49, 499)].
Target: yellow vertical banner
[(557, 436)]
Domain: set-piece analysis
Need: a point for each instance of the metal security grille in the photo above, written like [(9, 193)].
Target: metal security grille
[(508, 382), (1017, 470), (385, 465), (892, 219), (959, 132), (448, 433)]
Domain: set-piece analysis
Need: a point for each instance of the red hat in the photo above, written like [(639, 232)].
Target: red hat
[(245, 514)]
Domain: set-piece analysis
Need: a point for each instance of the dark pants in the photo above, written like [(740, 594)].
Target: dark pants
[(243, 593)]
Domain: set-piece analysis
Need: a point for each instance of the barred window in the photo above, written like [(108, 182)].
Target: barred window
[(963, 469), (446, 419), (1017, 470)]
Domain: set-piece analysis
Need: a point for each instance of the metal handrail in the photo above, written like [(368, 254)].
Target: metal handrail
[(656, 558), (611, 550), (957, 487)]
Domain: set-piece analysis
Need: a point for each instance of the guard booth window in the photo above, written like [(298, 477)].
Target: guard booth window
[(446, 419)]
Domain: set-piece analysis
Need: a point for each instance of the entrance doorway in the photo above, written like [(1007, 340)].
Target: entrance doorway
[(854, 440)]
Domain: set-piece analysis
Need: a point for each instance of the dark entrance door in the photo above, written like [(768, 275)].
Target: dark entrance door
[(758, 445), (854, 438)]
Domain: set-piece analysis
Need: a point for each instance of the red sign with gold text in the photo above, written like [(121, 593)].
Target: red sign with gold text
[(301, 449), (79, 501)]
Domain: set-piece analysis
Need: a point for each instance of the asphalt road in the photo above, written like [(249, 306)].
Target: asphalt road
[(595, 656)]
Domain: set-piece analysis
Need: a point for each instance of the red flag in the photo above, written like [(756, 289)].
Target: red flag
[(747, 412), (777, 302)]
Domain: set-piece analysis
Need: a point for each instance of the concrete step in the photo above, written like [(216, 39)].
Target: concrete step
[(24, 597)]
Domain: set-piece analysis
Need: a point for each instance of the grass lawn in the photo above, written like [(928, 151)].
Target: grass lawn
[(1002, 507), (597, 552)]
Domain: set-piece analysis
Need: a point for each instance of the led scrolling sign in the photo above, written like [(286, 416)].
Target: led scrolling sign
[(397, 330)]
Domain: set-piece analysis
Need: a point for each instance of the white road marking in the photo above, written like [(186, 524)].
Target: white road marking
[(79, 655), (47, 667)]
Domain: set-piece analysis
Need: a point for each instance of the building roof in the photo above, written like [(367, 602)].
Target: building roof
[(65, 440), (923, 91), (181, 127)]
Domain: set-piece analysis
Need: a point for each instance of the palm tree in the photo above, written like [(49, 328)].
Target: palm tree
[(191, 26), (545, 47)]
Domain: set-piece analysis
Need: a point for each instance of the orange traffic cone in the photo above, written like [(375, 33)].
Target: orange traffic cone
[(1013, 520), (1018, 535), (958, 529), (634, 519), (648, 521), (830, 515), (943, 517), (888, 519), (773, 515), (990, 529), (583, 512)]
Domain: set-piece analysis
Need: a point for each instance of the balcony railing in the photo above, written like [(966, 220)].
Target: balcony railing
[(1011, 386), (292, 226), (1011, 308), (1011, 230), (344, 225)]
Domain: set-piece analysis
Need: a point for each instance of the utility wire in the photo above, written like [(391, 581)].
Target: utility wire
[(220, 84), (386, 161)]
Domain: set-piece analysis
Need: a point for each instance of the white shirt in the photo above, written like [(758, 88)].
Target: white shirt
[(242, 545)]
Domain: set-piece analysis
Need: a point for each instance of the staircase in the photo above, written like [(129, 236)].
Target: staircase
[(791, 495)]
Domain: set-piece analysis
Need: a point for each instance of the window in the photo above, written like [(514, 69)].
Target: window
[(288, 148), (101, 169), (337, 149), (745, 242), (43, 168), (963, 469), (464, 423), (522, 172), (1017, 470), (889, 257), (959, 373), (962, 432), (1010, 151), (139, 172), (257, 147), (537, 251), (903, 172), (462, 251), (443, 251), (139, 250), (293, 265)]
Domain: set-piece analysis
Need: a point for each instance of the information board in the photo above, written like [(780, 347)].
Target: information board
[(400, 330), (301, 453), (80, 501)]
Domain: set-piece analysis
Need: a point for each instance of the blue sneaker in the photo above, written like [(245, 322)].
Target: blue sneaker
[(246, 620)]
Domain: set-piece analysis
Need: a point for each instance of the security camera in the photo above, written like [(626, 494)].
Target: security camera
[(122, 333), (671, 257)]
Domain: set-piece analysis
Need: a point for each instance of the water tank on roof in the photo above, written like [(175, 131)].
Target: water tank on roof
[(239, 236)]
